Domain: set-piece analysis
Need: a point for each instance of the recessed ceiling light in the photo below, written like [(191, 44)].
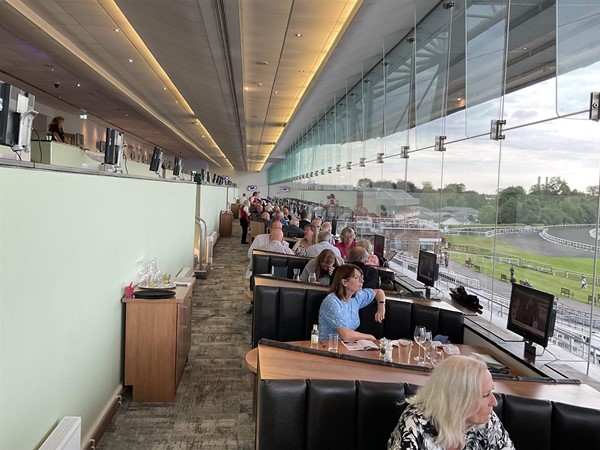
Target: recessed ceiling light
[(164, 88), (246, 88), (262, 63), (259, 84), (130, 60), (298, 34), (300, 70), (116, 30), (275, 92), (78, 84)]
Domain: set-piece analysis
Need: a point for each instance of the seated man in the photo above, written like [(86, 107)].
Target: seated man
[(263, 239), (303, 221), (278, 216), (358, 256), (276, 243), (323, 242), (293, 230)]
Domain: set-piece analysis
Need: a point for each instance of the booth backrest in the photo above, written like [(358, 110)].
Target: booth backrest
[(263, 261), (360, 415), (287, 313)]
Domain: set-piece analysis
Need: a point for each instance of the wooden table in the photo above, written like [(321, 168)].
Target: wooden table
[(276, 363)]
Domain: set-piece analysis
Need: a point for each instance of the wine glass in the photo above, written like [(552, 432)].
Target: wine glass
[(419, 339), (426, 348), (437, 356)]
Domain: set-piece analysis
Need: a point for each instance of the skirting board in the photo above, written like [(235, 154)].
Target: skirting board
[(103, 421)]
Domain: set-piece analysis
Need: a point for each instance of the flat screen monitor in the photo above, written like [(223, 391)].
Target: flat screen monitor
[(114, 147), (427, 269), (156, 159), (531, 314), (378, 245), (177, 167)]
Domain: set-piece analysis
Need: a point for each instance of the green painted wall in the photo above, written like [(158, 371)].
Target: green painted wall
[(69, 243)]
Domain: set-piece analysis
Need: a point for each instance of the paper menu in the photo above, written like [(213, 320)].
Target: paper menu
[(361, 344)]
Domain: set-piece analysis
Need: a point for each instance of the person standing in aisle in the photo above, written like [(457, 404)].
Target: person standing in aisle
[(245, 220)]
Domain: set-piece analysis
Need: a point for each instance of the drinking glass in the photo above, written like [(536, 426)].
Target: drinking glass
[(437, 356), (297, 274), (419, 339), (382, 343), (426, 344), (312, 278)]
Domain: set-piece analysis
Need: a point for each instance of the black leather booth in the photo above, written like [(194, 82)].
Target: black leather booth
[(287, 311), (262, 262), (360, 415)]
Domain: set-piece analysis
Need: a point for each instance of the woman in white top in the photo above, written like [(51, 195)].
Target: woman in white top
[(310, 238)]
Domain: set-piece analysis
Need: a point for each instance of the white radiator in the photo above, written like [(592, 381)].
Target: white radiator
[(66, 435)]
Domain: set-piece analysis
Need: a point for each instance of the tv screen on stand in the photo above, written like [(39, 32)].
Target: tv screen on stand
[(156, 159), (531, 315), (177, 165), (378, 245), (427, 270)]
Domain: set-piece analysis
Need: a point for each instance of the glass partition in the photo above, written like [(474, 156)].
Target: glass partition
[(577, 55), (485, 54)]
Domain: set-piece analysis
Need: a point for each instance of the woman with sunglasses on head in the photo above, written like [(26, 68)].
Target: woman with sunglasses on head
[(339, 310)]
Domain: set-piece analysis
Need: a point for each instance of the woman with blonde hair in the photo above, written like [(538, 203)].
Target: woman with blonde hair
[(452, 411), (310, 238), (347, 242), (372, 260)]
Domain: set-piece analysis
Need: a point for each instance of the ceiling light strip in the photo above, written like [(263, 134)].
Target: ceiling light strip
[(342, 23)]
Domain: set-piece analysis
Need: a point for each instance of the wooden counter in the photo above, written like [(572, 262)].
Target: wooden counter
[(277, 363), (158, 338)]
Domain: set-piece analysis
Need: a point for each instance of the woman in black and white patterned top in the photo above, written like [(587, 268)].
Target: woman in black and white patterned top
[(452, 411)]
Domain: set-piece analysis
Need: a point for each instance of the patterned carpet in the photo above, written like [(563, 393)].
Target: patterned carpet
[(213, 407)]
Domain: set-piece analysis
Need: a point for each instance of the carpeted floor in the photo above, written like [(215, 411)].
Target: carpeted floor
[(213, 407)]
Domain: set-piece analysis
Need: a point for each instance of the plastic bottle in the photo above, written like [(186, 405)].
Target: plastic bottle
[(314, 337)]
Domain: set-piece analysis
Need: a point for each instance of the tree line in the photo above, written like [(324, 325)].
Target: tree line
[(551, 203)]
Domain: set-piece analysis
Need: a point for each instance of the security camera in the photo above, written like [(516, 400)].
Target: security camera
[(57, 84)]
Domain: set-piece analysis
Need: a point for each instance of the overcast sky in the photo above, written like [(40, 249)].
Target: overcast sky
[(567, 148)]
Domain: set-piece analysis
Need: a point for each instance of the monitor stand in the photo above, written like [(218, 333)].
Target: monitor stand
[(529, 352)]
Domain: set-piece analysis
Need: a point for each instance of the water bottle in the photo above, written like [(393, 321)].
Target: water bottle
[(314, 337)]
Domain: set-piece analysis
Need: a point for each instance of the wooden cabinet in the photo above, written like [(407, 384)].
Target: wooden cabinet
[(235, 209), (226, 224), (158, 337)]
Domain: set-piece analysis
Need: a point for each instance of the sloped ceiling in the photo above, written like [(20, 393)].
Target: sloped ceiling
[(229, 81)]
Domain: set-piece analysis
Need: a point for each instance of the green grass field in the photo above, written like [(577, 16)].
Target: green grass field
[(566, 269)]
